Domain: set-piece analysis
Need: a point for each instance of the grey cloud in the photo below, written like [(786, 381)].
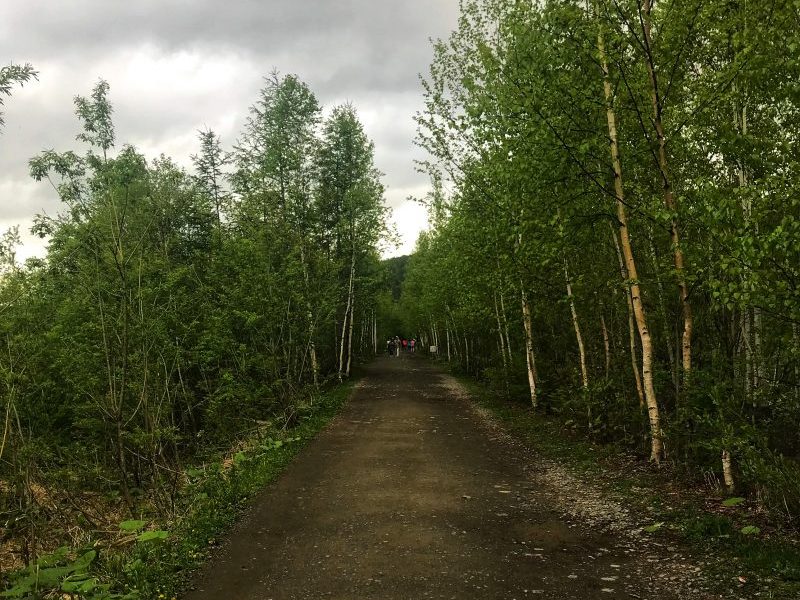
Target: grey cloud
[(23, 199), (176, 66), (389, 38)]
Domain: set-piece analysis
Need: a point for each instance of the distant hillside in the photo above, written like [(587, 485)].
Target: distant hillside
[(395, 274)]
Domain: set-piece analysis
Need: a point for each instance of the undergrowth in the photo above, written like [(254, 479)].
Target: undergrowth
[(153, 560)]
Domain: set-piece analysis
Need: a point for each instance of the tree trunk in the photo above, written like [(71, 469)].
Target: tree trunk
[(350, 338), (500, 334), (606, 344), (796, 358), (673, 367), (529, 355), (505, 328), (747, 350), (751, 321), (347, 313), (340, 370), (576, 326), (361, 335), (121, 463), (656, 442), (727, 470), (631, 322), (669, 196), (758, 351), (312, 347)]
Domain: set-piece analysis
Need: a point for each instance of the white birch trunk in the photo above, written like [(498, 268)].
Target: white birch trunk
[(347, 314), (577, 327), (631, 322), (350, 339), (740, 123), (502, 343), (727, 470), (505, 327), (656, 435), (529, 355), (670, 201)]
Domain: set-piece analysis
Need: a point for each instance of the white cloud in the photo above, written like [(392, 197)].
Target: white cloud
[(411, 219)]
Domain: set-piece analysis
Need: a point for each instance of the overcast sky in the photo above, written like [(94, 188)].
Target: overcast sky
[(177, 66)]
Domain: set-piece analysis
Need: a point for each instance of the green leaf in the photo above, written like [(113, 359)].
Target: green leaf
[(132, 525), (654, 527), (735, 501), (48, 578), (79, 584), (153, 536), (132, 566), (52, 559), (750, 530), (22, 588), (84, 561)]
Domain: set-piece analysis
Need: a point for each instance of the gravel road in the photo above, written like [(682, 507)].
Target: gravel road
[(409, 494)]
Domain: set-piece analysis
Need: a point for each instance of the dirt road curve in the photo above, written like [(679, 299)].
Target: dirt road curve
[(408, 495)]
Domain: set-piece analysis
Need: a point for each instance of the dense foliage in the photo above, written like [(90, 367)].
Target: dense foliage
[(616, 224), (177, 312)]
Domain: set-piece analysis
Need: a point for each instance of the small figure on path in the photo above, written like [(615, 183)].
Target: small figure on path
[(390, 346), (412, 344), (405, 344)]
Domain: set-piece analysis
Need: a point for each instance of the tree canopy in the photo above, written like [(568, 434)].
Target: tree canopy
[(175, 311), (615, 224)]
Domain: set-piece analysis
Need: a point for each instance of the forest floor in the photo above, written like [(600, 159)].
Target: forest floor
[(415, 491)]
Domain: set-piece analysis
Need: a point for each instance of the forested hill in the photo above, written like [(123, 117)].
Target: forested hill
[(617, 225), (395, 269)]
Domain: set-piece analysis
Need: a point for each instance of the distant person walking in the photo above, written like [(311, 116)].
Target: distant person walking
[(405, 344), (390, 346), (412, 345)]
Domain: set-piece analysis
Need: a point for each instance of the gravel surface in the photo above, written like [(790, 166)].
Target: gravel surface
[(414, 492)]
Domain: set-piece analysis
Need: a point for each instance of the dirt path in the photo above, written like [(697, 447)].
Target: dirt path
[(409, 494)]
